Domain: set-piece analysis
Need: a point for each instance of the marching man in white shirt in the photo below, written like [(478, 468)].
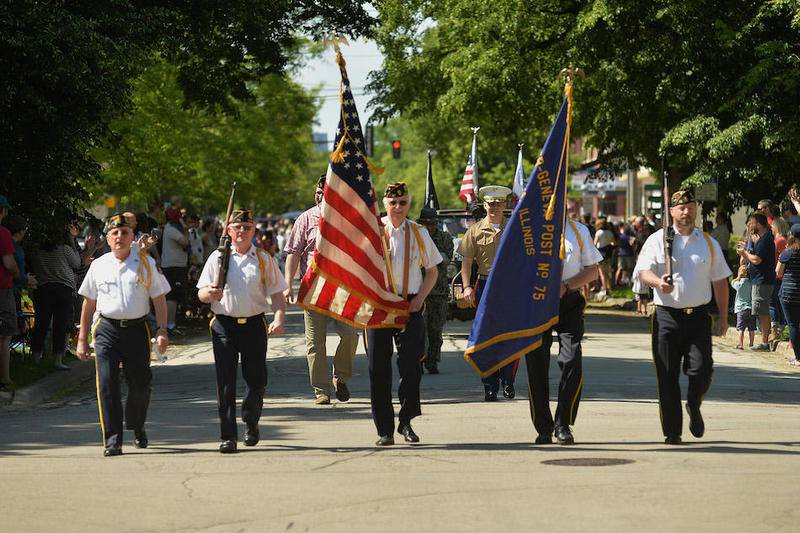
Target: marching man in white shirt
[(239, 326), (119, 286), (681, 330), (411, 250), (578, 269)]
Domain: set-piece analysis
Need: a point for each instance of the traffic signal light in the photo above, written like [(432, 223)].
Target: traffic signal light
[(396, 149)]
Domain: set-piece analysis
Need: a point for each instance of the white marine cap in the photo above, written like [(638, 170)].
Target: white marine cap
[(494, 193)]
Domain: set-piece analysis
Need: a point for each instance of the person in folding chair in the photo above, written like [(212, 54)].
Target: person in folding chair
[(119, 286), (410, 252)]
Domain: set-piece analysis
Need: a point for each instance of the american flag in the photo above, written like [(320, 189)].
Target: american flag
[(347, 279), (469, 185)]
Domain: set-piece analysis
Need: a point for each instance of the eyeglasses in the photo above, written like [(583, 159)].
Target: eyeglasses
[(401, 203), (241, 227)]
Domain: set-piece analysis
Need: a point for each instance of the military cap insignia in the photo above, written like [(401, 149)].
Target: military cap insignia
[(396, 189), (681, 197)]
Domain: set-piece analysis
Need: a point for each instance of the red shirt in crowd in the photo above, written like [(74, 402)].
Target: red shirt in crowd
[(6, 248)]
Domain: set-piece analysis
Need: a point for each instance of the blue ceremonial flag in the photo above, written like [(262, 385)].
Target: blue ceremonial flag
[(522, 294)]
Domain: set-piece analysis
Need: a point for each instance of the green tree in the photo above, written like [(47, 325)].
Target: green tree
[(710, 84), (167, 150), (68, 69)]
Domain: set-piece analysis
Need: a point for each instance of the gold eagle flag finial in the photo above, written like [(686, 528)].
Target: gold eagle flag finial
[(335, 40)]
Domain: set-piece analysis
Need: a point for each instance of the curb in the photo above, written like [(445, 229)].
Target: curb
[(53, 384), (731, 337)]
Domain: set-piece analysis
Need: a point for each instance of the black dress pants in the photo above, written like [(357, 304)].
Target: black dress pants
[(129, 346), (570, 334), (230, 338), (52, 303), (410, 344), (681, 340)]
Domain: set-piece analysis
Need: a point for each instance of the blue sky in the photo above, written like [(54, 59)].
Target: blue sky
[(362, 57)]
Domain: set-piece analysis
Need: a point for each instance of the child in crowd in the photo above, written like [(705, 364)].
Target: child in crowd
[(641, 293), (743, 306)]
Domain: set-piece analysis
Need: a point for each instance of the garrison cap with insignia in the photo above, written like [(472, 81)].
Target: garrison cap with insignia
[(681, 197), (396, 189), (241, 216), (427, 214), (494, 193), (321, 182), (117, 221)]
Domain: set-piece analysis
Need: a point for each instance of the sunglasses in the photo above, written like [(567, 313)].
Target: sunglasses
[(398, 202)]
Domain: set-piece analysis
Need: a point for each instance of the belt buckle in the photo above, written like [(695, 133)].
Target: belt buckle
[(241, 321), (689, 311), (123, 323)]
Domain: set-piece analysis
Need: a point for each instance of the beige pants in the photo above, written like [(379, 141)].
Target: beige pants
[(316, 334)]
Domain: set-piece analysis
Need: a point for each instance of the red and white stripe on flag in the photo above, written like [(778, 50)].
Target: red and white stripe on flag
[(467, 192), (347, 279)]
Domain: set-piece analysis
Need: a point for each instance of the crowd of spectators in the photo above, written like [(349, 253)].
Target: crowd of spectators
[(765, 257)]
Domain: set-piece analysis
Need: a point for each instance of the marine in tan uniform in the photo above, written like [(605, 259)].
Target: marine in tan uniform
[(480, 245)]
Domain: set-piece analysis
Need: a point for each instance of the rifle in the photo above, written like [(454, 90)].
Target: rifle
[(666, 224), (224, 246)]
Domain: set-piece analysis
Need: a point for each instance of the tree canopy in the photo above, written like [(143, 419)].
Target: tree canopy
[(69, 67), (166, 150), (710, 84)]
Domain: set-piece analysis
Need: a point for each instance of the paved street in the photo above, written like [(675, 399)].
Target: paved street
[(316, 468)]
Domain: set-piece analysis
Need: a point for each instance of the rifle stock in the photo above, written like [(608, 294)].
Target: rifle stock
[(224, 246)]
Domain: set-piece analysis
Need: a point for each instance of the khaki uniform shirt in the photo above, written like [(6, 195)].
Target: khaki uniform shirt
[(481, 242)]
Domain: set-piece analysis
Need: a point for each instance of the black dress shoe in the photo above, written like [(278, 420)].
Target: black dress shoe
[(140, 439), (227, 446), (508, 391), (696, 424), (251, 437), (564, 436), (433, 370), (490, 396), (385, 440), (111, 451), (673, 439), (342, 392), (406, 431), (544, 438)]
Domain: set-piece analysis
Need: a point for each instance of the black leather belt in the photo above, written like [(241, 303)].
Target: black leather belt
[(240, 320), (125, 322), (686, 310)]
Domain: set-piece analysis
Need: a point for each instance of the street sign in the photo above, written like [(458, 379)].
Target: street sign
[(707, 192)]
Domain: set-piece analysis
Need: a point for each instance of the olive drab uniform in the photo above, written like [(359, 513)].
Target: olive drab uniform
[(435, 313)]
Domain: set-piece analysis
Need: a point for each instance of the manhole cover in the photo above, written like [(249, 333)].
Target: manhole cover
[(588, 461)]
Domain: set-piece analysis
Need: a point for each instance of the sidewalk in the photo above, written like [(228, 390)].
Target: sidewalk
[(782, 348)]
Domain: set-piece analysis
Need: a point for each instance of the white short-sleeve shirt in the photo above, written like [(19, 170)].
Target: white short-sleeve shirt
[(244, 294), (114, 285), (397, 251), (174, 251), (578, 257), (693, 269)]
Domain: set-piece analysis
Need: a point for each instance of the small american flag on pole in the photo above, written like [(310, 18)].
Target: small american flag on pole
[(469, 185), (347, 279)]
